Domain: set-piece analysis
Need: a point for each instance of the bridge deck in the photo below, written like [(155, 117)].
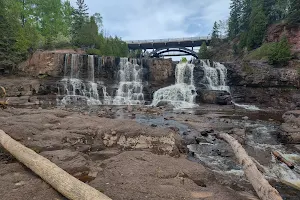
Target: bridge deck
[(167, 43)]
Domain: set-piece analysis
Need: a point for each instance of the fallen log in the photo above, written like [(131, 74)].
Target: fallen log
[(60, 180), (262, 187), (279, 157)]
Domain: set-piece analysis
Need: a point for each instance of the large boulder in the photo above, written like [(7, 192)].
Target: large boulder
[(290, 129), (214, 97)]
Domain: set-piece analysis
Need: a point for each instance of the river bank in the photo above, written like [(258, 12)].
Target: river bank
[(140, 152)]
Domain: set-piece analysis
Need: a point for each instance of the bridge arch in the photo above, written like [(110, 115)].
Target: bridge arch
[(158, 52)]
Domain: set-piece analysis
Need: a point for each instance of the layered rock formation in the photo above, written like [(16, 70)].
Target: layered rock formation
[(259, 83), (36, 81)]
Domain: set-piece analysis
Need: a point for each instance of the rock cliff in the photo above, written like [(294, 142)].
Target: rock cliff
[(36, 81), (260, 83)]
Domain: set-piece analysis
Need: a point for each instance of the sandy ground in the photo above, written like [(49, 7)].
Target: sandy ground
[(78, 143)]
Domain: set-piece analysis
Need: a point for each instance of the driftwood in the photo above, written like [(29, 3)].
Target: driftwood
[(262, 187), (60, 180)]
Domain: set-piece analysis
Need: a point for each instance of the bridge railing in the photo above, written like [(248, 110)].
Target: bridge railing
[(168, 40)]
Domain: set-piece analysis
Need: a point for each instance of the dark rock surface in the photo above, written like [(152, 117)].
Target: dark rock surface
[(259, 83), (290, 129), (214, 97)]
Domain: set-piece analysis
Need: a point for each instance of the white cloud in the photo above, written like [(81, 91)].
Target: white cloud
[(154, 19)]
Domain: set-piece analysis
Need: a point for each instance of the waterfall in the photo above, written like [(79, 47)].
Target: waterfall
[(130, 90), (215, 76), (183, 93), (73, 89)]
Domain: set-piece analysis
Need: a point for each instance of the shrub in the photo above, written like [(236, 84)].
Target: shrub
[(261, 53), (94, 52), (184, 60), (280, 53)]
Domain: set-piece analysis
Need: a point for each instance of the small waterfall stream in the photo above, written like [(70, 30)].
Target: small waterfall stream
[(130, 90), (215, 76), (73, 89), (183, 93)]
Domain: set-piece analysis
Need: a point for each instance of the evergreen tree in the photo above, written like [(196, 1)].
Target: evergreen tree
[(215, 33), (215, 36), (280, 54), (203, 51), (80, 18), (245, 16), (258, 25), (294, 13), (269, 10), (234, 20)]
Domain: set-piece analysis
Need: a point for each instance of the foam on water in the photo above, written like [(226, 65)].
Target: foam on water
[(130, 90), (215, 76), (183, 93), (75, 90), (247, 107), (285, 174)]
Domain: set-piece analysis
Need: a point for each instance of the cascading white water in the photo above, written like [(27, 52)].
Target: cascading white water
[(130, 90), (215, 76), (75, 90), (183, 93)]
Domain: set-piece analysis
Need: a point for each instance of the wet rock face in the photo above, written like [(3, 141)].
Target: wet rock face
[(158, 73), (213, 97), (256, 74), (259, 83)]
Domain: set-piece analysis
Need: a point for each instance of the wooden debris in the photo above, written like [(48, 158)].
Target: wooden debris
[(262, 187), (60, 180), (279, 157)]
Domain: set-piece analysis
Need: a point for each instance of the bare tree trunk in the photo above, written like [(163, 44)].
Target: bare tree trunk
[(262, 187), (60, 180)]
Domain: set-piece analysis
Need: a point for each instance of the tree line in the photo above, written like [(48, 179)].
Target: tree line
[(248, 24), (27, 25)]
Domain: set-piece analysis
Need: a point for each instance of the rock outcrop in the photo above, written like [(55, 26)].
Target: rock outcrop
[(37, 80), (260, 83), (290, 129), (214, 97)]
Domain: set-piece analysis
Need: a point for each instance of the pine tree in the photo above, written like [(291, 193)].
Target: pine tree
[(269, 10), (215, 36), (203, 51), (80, 18), (245, 16), (234, 20), (258, 25), (294, 13), (280, 54)]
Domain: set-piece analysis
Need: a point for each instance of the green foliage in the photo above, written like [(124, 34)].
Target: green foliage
[(135, 53), (204, 52), (280, 53), (261, 53), (184, 60), (215, 36), (258, 25), (94, 52), (294, 13), (234, 20), (26, 25), (249, 19)]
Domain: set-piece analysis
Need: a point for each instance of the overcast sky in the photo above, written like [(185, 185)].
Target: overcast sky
[(158, 19)]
